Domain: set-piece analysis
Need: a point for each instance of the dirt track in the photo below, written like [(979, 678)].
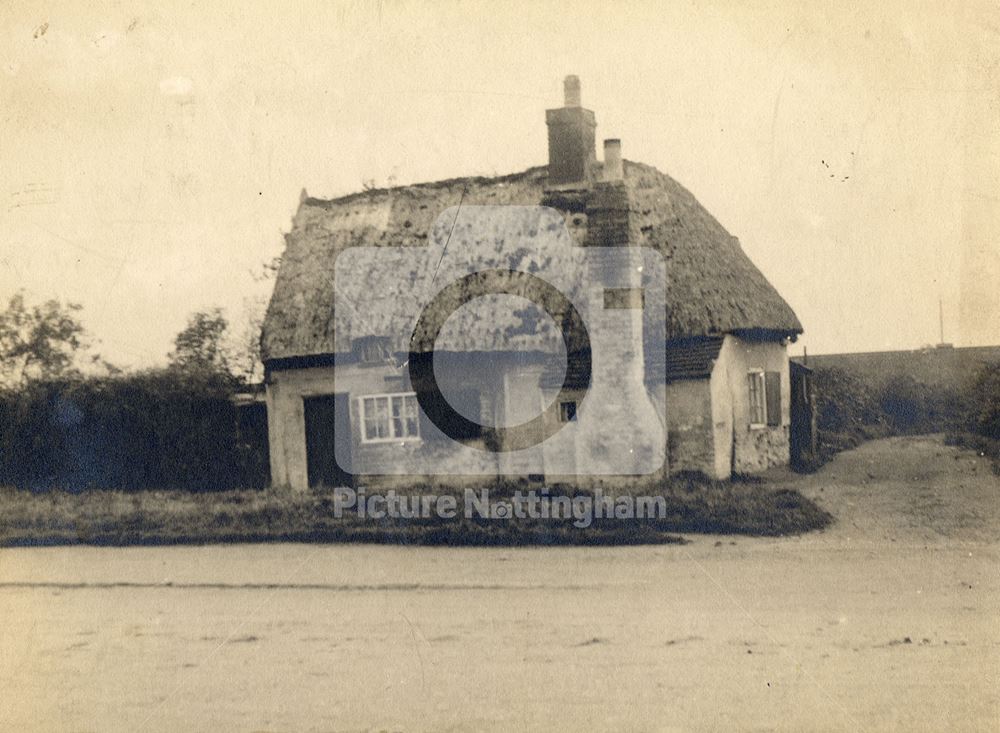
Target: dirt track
[(886, 621), (908, 490)]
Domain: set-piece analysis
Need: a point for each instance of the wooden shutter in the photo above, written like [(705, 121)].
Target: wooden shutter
[(772, 390)]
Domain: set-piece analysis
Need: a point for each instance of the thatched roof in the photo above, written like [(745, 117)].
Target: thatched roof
[(383, 290), (712, 286)]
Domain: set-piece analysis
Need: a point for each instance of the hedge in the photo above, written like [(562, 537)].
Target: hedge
[(159, 429)]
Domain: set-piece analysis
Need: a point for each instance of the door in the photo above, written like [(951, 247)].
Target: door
[(323, 443), (802, 437)]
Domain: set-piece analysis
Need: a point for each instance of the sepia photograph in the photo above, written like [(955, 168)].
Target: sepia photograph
[(412, 366)]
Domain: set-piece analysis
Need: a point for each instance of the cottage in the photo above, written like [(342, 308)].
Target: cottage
[(697, 380)]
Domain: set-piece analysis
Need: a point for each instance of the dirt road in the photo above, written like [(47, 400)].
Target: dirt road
[(886, 621)]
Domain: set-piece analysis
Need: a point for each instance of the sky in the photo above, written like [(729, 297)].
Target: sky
[(152, 155)]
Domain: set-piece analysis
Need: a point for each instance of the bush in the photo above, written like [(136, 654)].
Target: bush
[(845, 404), (848, 412), (981, 429), (851, 410), (985, 418), (912, 407), (904, 404)]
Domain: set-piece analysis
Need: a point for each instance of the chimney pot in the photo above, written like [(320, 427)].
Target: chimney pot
[(613, 168), (571, 137), (571, 91)]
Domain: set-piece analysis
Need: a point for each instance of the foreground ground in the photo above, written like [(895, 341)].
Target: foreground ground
[(885, 621)]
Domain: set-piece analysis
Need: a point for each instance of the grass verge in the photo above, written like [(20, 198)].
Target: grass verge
[(178, 517)]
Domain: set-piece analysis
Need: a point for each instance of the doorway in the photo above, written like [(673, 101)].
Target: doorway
[(324, 443)]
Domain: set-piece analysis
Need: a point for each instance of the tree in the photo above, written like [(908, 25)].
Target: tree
[(39, 342), (200, 347), (248, 364)]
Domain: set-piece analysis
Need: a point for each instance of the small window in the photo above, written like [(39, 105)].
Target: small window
[(372, 349), (389, 417), (567, 411), (756, 386), (764, 391)]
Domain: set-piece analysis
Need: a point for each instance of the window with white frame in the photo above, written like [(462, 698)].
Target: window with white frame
[(764, 392), (389, 417)]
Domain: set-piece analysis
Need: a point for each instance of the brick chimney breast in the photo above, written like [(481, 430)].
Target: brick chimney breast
[(571, 137), (609, 208)]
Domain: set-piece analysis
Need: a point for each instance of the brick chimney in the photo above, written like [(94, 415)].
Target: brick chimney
[(571, 137)]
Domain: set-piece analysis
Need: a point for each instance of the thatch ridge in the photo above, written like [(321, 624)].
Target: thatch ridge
[(538, 170)]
